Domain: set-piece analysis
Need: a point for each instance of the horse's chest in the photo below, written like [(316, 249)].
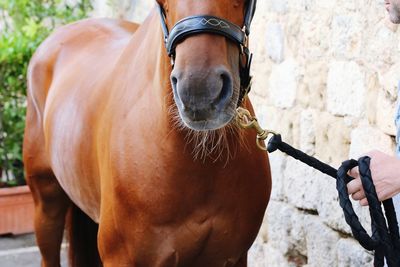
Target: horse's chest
[(187, 213), (166, 195), (205, 238), (205, 222)]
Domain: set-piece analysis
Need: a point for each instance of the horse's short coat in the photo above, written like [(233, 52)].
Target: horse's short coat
[(101, 133)]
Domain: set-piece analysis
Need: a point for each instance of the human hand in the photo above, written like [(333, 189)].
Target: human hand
[(385, 171)]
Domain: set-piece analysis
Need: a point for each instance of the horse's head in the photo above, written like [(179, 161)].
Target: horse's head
[(207, 43)]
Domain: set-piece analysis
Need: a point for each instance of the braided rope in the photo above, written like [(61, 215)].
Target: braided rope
[(385, 238)]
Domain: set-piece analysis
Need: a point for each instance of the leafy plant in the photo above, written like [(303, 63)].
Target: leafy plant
[(24, 24)]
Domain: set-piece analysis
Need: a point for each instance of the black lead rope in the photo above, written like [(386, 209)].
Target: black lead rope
[(385, 239)]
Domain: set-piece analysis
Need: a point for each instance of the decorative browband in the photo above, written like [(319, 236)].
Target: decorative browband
[(203, 24)]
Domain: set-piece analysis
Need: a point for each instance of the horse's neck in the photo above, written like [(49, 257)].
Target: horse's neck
[(140, 88), (147, 65), (151, 61), (151, 55)]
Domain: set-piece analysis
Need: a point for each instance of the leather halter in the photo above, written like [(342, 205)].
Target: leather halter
[(209, 24)]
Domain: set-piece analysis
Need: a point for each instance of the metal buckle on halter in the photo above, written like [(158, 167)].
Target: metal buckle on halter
[(248, 88), (245, 43)]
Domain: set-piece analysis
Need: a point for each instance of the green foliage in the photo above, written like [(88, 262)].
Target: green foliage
[(26, 24)]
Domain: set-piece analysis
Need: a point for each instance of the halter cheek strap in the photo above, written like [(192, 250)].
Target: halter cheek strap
[(250, 11), (209, 24)]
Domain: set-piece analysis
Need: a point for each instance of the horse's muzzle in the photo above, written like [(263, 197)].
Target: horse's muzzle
[(203, 95)]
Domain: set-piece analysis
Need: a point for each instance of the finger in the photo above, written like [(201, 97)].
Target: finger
[(364, 202), (358, 195), (354, 186), (384, 194), (354, 173)]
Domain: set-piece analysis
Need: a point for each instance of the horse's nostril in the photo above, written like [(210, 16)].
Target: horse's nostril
[(226, 90), (174, 81)]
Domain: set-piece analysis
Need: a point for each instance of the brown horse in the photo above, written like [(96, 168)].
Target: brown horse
[(156, 172)]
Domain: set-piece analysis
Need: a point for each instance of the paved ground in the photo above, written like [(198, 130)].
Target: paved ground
[(21, 251)]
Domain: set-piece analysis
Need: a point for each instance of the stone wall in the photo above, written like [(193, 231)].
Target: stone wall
[(325, 78), (133, 10)]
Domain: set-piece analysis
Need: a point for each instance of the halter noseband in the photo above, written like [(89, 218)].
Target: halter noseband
[(209, 24)]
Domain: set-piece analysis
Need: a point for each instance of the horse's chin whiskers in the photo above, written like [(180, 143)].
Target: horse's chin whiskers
[(216, 145)]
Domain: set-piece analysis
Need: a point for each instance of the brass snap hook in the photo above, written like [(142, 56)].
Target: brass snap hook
[(247, 121)]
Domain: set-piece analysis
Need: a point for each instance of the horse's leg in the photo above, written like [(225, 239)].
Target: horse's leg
[(51, 202), (51, 205), (111, 244)]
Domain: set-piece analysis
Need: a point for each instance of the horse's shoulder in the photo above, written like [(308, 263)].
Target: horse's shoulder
[(89, 41), (90, 33)]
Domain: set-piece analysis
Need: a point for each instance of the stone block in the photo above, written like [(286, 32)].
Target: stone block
[(345, 89), (283, 84), (312, 90), (262, 236), (332, 138), (278, 6), (300, 185), (387, 99), (366, 138), (385, 113), (266, 115), (307, 132), (278, 219), (260, 70), (260, 81), (133, 10), (274, 44), (293, 31), (373, 89), (285, 228), (125, 9), (321, 243), (350, 254), (278, 163), (327, 5), (256, 257), (274, 258), (301, 5), (298, 236), (346, 35), (390, 80), (309, 45), (379, 52), (328, 207)]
